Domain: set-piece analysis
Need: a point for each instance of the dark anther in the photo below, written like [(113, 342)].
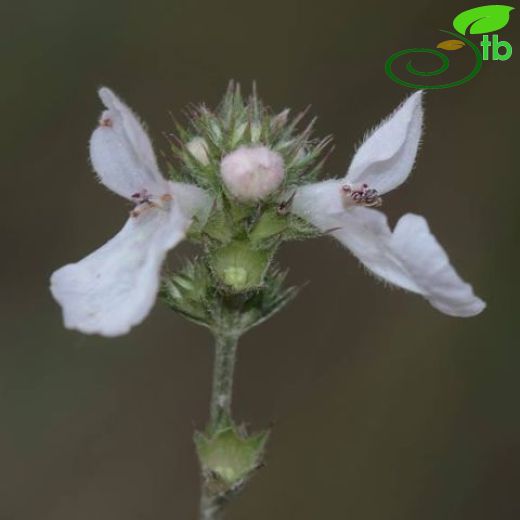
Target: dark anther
[(283, 207), (363, 196)]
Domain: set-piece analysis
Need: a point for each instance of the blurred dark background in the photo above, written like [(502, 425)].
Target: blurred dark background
[(383, 407)]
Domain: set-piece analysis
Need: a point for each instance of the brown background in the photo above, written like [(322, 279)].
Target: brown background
[(383, 407)]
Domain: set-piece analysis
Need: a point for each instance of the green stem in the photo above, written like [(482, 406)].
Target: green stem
[(223, 370), (210, 506), (221, 394)]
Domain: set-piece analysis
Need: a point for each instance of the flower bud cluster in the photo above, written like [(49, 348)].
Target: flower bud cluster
[(251, 161)]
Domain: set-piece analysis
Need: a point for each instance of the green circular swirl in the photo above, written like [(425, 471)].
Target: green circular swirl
[(412, 70), (445, 63)]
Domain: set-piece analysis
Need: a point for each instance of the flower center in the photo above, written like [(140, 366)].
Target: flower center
[(361, 196), (144, 201)]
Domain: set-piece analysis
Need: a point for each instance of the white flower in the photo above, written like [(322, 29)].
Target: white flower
[(251, 174), (409, 256), (115, 287)]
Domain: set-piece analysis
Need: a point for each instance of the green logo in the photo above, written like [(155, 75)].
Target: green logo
[(480, 20)]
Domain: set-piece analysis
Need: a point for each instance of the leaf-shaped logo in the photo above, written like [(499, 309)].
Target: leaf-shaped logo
[(484, 19), (450, 45)]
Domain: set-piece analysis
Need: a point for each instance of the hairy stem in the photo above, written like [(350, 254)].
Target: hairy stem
[(221, 394), (223, 370), (210, 506)]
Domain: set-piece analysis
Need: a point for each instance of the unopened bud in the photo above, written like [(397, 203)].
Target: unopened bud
[(199, 149), (251, 174)]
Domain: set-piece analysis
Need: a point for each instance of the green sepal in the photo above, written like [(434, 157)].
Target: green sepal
[(190, 292), (300, 229), (195, 294), (238, 266), (270, 224), (263, 304), (219, 227), (229, 456)]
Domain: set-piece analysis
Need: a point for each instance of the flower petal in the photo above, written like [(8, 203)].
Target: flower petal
[(192, 200), (365, 232), (121, 151), (429, 266), (319, 203), (115, 287), (386, 157), (410, 258)]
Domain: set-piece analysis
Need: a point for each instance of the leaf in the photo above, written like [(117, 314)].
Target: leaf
[(484, 19), (451, 45)]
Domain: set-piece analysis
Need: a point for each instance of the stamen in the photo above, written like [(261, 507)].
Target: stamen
[(361, 196), (137, 211), (106, 122), (144, 201), (141, 197), (285, 205)]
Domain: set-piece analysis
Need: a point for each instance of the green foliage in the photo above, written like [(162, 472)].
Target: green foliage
[(196, 293)]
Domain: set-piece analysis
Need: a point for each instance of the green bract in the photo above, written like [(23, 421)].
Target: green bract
[(229, 456)]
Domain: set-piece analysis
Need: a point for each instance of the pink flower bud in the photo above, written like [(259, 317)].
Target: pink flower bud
[(251, 174)]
